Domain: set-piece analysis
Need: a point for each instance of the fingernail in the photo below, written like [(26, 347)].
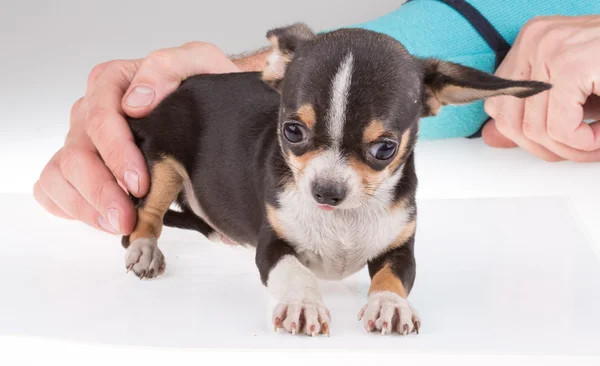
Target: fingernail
[(132, 181), (113, 217), (140, 96), (105, 225)]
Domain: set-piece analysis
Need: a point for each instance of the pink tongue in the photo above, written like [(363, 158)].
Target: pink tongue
[(326, 207)]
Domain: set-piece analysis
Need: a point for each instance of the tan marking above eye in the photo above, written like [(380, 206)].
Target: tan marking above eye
[(373, 131), (306, 114), (386, 280)]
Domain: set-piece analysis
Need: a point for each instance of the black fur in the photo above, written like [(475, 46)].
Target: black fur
[(187, 220), (225, 150), (270, 250)]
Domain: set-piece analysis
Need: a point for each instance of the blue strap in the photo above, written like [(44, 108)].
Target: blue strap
[(487, 31)]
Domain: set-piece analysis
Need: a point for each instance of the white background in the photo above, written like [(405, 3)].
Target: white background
[(49, 47)]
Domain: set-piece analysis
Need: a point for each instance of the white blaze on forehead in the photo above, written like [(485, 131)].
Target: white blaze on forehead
[(328, 165), (339, 99)]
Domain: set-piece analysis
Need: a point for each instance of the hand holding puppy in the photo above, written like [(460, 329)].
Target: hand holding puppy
[(562, 51), (84, 179)]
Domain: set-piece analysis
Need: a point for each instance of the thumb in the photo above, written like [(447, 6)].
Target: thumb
[(495, 138), (163, 71)]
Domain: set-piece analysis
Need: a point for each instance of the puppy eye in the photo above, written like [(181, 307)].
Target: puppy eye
[(293, 132), (383, 150)]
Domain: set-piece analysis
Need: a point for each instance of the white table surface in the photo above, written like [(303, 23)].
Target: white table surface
[(511, 279), (528, 284)]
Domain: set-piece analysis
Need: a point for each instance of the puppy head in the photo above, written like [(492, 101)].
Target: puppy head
[(351, 101)]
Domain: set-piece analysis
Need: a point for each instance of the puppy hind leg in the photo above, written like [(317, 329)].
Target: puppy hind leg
[(143, 255)]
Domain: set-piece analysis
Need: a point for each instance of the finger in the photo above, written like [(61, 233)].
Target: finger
[(108, 130), (572, 92), (508, 112), (504, 124), (495, 138), (97, 71), (565, 117), (490, 133), (90, 177), (535, 126), (535, 120), (62, 193), (163, 71), (535, 116), (42, 198), (536, 111), (509, 123)]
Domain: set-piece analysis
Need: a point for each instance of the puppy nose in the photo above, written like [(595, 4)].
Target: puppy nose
[(329, 194)]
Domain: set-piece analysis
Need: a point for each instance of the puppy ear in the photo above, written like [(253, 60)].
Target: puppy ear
[(285, 41), (450, 83)]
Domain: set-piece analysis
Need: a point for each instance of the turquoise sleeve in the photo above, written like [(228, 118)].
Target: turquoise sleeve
[(429, 28)]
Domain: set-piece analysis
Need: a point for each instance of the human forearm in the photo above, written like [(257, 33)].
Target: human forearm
[(252, 61)]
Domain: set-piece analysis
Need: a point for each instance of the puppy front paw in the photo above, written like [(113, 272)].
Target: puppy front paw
[(144, 258), (388, 312), (302, 316)]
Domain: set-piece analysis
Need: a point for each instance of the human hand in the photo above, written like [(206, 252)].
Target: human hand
[(86, 179), (562, 51)]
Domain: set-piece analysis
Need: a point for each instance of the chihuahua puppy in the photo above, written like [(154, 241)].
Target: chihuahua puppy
[(311, 162)]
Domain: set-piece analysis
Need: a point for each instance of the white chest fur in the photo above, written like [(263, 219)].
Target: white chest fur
[(336, 244)]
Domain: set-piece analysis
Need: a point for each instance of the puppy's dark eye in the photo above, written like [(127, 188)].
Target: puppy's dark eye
[(293, 132), (383, 150)]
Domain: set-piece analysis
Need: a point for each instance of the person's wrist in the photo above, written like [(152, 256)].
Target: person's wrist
[(252, 62)]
